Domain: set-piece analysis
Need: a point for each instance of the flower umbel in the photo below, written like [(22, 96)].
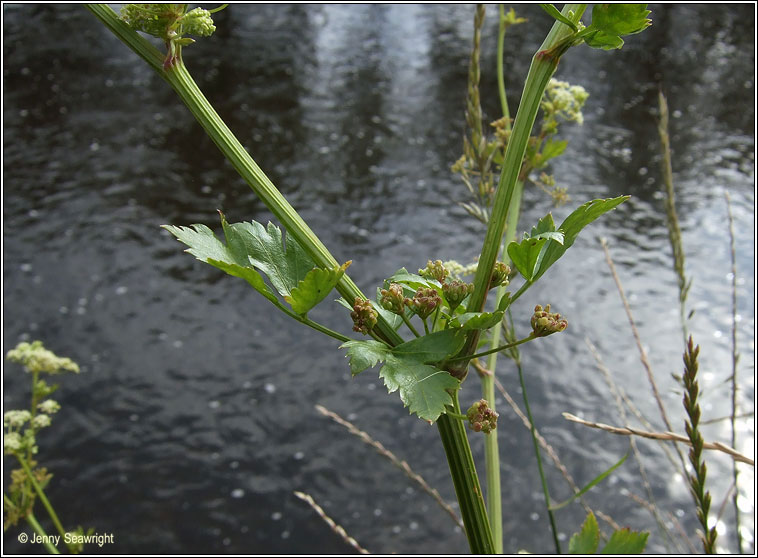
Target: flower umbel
[(455, 291), (364, 316), (434, 270), (500, 275), (481, 418), (393, 299), (546, 323), (424, 302)]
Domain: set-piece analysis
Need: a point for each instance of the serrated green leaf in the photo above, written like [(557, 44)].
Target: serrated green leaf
[(423, 388), (365, 354), (285, 265), (553, 11), (620, 19), (204, 245), (314, 287), (604, 41), (625, 541), (586, 540), (527, 254), (431, 348), (573, 225), (477, 320)]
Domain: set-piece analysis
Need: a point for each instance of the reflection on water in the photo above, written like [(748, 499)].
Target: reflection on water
[(193, 422)]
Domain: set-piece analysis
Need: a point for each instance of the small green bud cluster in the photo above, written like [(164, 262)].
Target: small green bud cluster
[(169, 22), (500, 274), (455, 291), (434, 270), (424, 302), (481, 418), (198, 22), (546, 323), (364, 316), (393, 299)]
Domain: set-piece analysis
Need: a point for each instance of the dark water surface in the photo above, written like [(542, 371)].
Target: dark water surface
[(193, 419)]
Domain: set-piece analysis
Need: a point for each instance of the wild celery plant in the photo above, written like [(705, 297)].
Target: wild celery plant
[(20, 429), (427, 370)]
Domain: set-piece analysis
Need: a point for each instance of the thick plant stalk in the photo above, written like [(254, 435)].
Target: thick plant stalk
[(452, 432), (466, 481), (181, 81), (544, 63)]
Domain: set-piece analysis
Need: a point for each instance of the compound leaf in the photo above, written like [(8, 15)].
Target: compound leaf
[(204, 245), (423, 388), (285, 265)]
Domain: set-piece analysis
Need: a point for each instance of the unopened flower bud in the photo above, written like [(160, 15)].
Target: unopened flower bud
[(500, 275), (424, 302), (434, 270), (481, 418), (393, 299), (455, 292), (545, 323), (364, 316)]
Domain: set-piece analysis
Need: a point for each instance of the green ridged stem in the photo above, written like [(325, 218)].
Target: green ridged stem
[(453, 434), (466, 481), (544, 63)]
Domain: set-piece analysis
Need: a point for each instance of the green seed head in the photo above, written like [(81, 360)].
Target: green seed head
[(434, 270), (455, 292), (500, 275), (481, 418), (393, 299), (424, 302), (546, 323), (364, 316)]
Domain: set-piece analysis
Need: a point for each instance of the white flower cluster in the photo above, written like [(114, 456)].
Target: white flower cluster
[(457, 270), (36, 358), (564, 100)]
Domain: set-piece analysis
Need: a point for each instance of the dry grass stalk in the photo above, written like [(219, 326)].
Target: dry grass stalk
[(402, 464), (329, 521), (674, 521), (621, 399), (735, 359), (643, 353), (666, 436)]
